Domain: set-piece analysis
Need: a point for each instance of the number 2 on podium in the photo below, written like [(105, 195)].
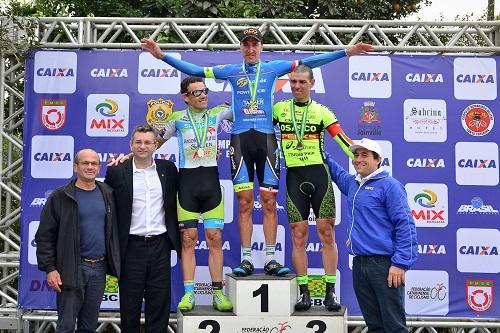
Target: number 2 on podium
[(263, 291)]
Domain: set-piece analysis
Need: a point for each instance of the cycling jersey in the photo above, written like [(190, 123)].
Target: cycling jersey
[(318, 118), (246, 118), (189, 155)]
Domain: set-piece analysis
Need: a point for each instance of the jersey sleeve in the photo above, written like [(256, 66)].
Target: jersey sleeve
[(223, 112), (213, 72), (328, 117), (170, 126), (323, 58)]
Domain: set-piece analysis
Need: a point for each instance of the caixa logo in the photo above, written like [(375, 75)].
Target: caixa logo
[(157, 77), (486, 250), (424, 77), (54, 157), (108, 72), (159, 72), (475, 78), (477, 164), (431, 249), (55, 72), (425, 163), (361, 76), (46, 161)]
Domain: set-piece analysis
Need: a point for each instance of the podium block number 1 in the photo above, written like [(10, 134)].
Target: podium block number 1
[(317, 323), (212, 323), (263, 292)]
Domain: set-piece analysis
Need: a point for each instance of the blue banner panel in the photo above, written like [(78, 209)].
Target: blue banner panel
[(434, 117)]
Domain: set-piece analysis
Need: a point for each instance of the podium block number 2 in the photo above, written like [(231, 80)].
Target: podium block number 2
[(215, 326), (263, 291), (317, 323)]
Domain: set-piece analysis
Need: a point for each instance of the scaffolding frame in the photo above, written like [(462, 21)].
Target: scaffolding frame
[(420, 37)]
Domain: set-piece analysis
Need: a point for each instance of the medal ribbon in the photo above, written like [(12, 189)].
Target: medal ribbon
[(252, 86), (302, 123), (201, 138)]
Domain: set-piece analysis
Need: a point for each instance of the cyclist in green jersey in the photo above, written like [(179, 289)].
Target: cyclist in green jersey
[(302, 123)]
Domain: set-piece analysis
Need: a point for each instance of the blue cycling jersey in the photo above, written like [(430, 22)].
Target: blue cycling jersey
[(245, 118)]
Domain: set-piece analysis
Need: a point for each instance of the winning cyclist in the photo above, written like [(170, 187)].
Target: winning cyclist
[(253, 142)]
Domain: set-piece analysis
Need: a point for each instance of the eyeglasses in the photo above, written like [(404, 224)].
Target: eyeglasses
[(198, 92), (88, 163), (146, 143)]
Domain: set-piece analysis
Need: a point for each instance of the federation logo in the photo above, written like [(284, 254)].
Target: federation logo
[(158, 111), (477, 120), (477, 206), (427, 292), (53, 113), (479, 294)]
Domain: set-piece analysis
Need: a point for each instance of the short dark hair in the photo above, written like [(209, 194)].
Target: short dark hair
[(304, 69), (145, 128), (187, 81), (376, 157)]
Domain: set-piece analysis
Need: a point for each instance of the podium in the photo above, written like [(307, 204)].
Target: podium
[(262, 303)]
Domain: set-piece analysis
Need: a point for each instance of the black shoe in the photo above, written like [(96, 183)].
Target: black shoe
[(304, 303), (245, 268), (275, 268), (331, 302)]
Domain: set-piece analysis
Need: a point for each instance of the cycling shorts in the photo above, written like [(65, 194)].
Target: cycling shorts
[(200, 193), (309, 187), (254, 150)]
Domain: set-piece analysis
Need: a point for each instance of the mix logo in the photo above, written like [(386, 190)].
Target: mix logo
[(428, 204), (53, 113), (109, 72), (425, 163), (427, 292), (424, 77), (369, 120), (386, 163), (338, 208), (157, 77), (475, 78), (40, 202), (479, 294), (46, 162), (477, 206), (259, 245), (32, 229), (370, 77), (477, 250), (107, 115), (431, 249), (477, 119), (55, 72), (476, 163), (317, 286), (425, 120), (203, 284)]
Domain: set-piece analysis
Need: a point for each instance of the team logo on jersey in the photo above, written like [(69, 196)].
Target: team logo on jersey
[(477, 119), (53, 113), (369, 120), (479, 294), (158, 111), (242, 82)]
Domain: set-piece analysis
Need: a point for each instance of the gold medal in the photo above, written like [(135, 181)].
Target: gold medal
[(300, 145), (252, 106)]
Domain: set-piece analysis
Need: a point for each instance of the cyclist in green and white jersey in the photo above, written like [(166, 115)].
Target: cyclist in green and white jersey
[(302, 123)]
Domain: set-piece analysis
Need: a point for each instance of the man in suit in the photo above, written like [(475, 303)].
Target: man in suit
[(145, 194)]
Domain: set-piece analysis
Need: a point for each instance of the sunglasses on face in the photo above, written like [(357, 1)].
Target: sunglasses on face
[(198, 92)]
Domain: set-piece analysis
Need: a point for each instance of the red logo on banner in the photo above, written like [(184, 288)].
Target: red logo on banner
[(53, 113), (477, 119), (480, 294)]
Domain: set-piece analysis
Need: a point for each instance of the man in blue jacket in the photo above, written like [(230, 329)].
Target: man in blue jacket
[(382, 236)]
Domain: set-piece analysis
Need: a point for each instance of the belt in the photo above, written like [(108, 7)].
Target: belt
[(148, 238), (93, 260)]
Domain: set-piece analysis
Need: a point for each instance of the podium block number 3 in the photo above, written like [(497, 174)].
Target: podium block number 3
[(317, 323), (263, 292), (215, 326)]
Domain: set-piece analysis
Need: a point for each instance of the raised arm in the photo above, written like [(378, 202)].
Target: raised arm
[(341, 138), (324, 58)]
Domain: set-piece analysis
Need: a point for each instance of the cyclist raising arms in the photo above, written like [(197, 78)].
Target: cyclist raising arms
[(253, 142)]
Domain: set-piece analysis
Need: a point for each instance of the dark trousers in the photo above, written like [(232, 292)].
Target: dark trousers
[(382, 307), (145, 273), (82, 303)]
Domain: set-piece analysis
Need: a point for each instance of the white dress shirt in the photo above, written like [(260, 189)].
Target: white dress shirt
[(148, 213)]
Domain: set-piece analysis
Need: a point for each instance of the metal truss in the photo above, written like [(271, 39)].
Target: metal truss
[(471, 38)]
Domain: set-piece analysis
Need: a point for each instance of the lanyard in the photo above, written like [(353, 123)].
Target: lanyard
[(252, 86), (201, 138), (300, 135)]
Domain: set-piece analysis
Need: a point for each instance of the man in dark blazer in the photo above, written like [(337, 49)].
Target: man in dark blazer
[(145, 194)]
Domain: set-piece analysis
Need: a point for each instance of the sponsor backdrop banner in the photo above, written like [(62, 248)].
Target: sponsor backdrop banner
[(434, 117)]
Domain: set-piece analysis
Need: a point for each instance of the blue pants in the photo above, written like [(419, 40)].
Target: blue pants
[(382, 307), (82, 303)]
